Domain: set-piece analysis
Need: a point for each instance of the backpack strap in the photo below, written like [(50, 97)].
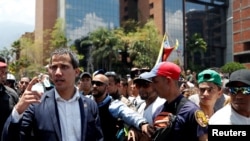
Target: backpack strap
[(180, 104), (162, 134)]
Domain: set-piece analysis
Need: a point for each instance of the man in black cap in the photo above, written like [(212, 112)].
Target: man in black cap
[(238, 111), (85, 85)]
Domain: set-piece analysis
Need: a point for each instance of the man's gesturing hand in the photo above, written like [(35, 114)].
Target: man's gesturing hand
[(28, 97)]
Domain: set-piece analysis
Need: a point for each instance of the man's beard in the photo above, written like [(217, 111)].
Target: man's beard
[(98, 94)]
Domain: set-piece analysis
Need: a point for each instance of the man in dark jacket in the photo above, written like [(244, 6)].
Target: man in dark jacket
[(60, 114), (8, 97)]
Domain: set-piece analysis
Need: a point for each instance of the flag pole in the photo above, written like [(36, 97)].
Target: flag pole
[(159, 58)]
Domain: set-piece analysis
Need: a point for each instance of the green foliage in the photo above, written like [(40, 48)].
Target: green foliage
[(31, 56), (19, 67), (144, 45), (16, 49), (105, 47), (6, 54), (58, 37), (120, 49), (231, 67), (130, 26), (195, 44)]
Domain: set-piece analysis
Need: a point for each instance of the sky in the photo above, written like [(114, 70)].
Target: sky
[(16, 18)]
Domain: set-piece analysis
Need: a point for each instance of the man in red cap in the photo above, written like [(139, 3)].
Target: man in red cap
[(190, 122), (8, 97)]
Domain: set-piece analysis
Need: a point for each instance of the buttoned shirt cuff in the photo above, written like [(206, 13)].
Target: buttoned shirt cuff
[(16, 116)]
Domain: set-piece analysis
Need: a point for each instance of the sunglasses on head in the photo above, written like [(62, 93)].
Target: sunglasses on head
[(97, 83), (235, 90)]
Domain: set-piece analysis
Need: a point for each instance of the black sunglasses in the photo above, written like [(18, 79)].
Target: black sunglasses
[(97, 83)]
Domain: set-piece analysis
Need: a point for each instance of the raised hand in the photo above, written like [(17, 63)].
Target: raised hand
[(28, 97)]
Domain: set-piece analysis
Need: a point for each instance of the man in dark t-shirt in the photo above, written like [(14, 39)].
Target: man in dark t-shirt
[(190, 123)]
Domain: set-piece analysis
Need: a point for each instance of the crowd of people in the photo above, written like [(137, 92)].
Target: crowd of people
[(155, 104)]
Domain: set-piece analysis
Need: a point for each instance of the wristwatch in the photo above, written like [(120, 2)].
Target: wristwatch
[(142, 123)]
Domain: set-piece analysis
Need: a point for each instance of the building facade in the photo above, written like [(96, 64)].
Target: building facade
[(212, 19), (223, 24), (80, 17), (241, 31)]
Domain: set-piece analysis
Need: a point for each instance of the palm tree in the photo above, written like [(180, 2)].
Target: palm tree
[(195, 44), (16, 49), (104, 51), (6, 54)]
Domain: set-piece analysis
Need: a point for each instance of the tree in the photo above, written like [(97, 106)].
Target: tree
[(54, 38), (6, 53), (122, 48), (58, 37), (32, 56), (16, 49), (145, 45), (195, 44), (231, 67), (104, 51)]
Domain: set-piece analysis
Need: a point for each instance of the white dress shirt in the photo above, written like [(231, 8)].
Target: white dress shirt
[(70, 117)]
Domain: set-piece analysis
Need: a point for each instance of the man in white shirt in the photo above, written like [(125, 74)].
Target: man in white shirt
[(60, 114), (237, 112), (147, 93)]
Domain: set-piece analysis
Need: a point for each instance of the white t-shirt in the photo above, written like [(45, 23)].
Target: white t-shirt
[(149, 112), (219, 102), (227, 116)]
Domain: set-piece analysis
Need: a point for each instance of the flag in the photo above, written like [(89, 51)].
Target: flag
[(165, 49)]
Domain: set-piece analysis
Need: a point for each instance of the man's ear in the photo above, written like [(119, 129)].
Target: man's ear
[(77, 70), (220, 92)]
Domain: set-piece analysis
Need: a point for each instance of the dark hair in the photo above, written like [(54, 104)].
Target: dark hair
[(124, 82), (113, 75), (64, 50)]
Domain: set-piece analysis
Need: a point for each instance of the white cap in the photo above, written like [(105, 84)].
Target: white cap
[(191, 85), (11, 77)]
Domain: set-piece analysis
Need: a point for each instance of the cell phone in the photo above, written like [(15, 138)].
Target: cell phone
[(38, 87)]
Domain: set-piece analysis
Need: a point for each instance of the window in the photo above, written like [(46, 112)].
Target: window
[(151, 5)]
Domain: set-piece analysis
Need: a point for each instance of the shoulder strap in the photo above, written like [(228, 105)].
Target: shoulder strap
[(181, 103), (162, 134)]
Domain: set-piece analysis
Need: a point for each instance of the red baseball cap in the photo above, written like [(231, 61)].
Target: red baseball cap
[(2, 65), (165, 69)]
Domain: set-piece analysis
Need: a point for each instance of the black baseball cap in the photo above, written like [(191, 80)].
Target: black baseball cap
[(142, 77), (242, 75), (85, 74)]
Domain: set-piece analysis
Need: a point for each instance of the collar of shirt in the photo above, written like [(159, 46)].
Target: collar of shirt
[(105, 101), (172, 106), (74, 98)]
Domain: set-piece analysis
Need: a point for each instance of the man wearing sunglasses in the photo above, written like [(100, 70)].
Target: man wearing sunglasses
[(237, 112), (147, 93), (110, 110)]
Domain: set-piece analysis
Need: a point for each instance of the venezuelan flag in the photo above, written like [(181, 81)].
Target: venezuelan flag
[(165, 49)]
